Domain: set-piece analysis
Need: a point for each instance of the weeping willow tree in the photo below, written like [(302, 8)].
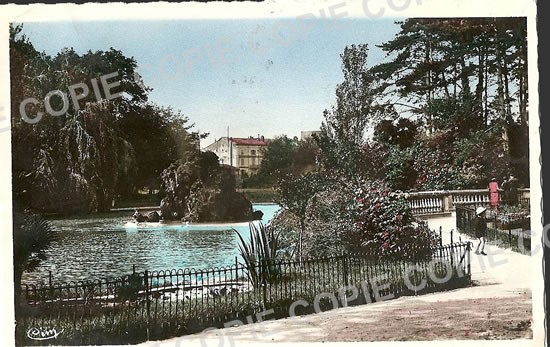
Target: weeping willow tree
[(101, 147), (76, 161)]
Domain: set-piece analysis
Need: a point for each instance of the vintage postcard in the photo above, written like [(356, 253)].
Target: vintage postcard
[(227, 174)]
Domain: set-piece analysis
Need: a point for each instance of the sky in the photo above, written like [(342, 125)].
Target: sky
[(255, 76)]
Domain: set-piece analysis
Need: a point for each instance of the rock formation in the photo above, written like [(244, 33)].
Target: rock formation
[(197, 189)]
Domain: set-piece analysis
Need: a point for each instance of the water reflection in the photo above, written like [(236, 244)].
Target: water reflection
[(99, 246)]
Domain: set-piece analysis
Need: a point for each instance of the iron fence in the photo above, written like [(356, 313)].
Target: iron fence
[(506, 230), (160, 304)]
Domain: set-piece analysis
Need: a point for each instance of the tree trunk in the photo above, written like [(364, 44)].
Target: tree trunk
[(428, 85), (478, 107), (523, 87), (506, 90), (447, 94), (465, 80), (486, 107), (500, 80), (455, 80), (500, 90)]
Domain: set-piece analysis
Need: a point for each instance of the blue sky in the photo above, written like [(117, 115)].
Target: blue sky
[(264, 76)]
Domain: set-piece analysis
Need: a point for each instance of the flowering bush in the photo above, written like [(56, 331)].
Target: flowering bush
[(385, 227), (506, 214), (367, 219)]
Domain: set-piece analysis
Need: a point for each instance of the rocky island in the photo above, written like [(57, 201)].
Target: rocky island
[(199, 190)]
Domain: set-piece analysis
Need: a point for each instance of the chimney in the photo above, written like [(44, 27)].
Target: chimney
[(263, 138)]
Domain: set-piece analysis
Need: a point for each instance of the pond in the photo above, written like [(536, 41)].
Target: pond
[(100, 246)]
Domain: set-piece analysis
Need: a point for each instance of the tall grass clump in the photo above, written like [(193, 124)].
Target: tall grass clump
[(260, 254)]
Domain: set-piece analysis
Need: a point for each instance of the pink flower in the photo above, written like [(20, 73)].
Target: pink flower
[(386, 234), (386, 244), (359, 224), (384, 193), (378, 204), (360, 200), (398, 217)]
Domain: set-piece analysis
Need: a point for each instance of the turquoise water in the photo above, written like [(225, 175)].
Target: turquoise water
[(100, 246)]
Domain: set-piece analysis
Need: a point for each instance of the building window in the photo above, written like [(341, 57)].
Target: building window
[(252, 152), (253, 161), (242, 162)]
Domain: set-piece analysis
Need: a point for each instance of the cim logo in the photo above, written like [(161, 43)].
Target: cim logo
[(41, 335)]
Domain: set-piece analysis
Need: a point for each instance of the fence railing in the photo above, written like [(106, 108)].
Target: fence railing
[(423, 203), (507, 231), (445, 201), (160, 304)]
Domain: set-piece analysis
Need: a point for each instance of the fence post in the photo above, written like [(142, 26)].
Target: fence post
[(148, 304), (134, 269), (264, 280), (345, 271), (50, 281), (236, 269), (452, 252), (440, 236)]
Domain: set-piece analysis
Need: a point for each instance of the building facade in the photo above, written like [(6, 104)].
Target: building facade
[(244, 154)]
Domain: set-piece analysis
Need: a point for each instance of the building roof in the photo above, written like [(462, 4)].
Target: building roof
[(248, 141)]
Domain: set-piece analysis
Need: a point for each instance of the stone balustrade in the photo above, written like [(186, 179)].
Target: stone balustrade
[(444, 201)]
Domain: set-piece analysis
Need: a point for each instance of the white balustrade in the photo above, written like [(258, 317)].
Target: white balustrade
[(433, 202)]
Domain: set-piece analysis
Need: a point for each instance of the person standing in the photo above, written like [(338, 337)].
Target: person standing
[(510, 188), (513, 184), (480, 229), (505, 191), (493, 192)]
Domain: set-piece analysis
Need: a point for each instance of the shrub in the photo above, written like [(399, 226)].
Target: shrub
[(259, 254), (385, 226), (366, 219), (286, 225)]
